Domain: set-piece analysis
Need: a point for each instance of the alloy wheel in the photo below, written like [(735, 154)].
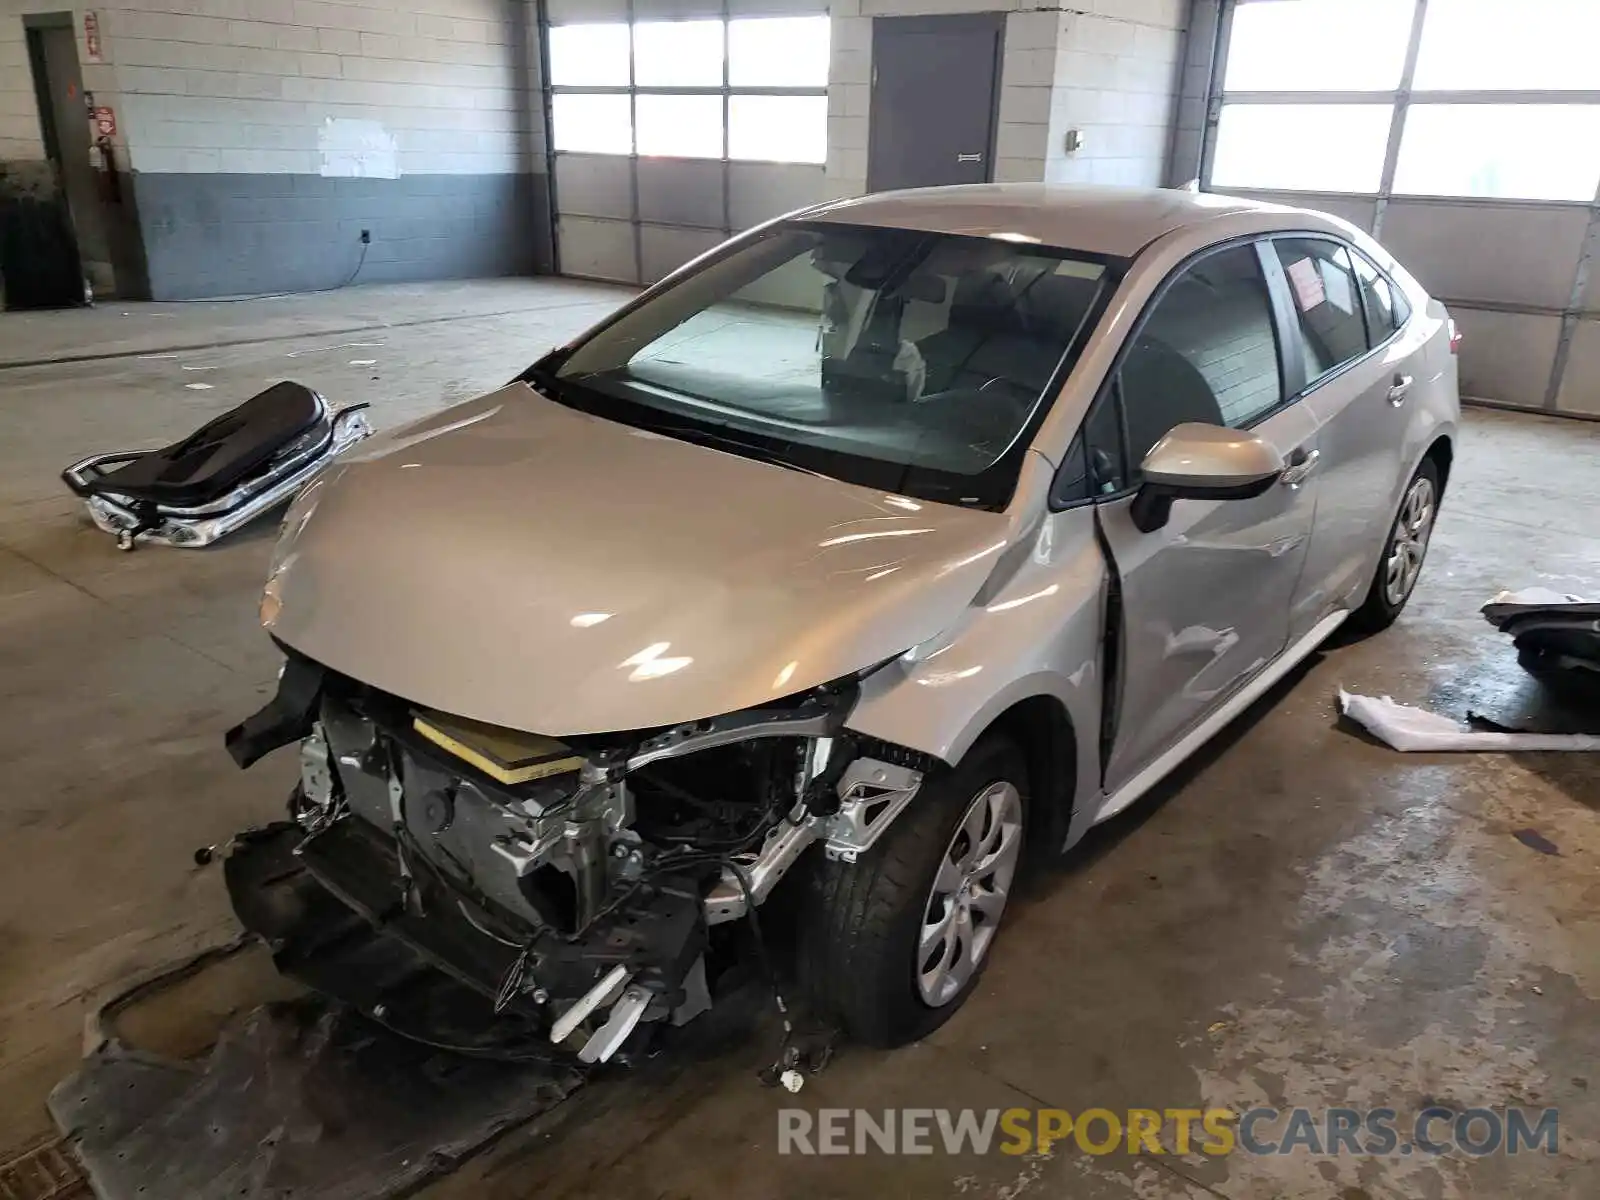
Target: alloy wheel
[(969, 893), (1412, 529)]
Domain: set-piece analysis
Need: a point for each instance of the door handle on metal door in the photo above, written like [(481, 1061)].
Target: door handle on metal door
[(1397, 392), (966, 158), (1298, 468)]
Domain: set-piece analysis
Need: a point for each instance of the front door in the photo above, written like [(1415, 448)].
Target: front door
[(1205, 599), (933, 100)]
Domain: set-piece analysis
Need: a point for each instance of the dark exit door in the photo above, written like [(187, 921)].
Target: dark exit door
[(69, 147), (933, 100)]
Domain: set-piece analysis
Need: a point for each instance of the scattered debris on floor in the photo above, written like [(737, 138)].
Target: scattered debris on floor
[(44, 1172), (1534, 840), (1557, 635), (1416, 729), (221, 477), (301, 1098)]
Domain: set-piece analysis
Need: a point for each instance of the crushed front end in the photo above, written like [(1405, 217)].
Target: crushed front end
[(569, 889)]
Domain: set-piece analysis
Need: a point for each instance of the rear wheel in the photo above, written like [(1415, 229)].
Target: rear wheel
[(892, 944), (1404, 551)]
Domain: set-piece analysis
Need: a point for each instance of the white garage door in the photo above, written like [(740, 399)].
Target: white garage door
[(1465, 134), (675, 125)]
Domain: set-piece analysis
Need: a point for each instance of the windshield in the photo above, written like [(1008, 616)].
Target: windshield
[(892, 358)]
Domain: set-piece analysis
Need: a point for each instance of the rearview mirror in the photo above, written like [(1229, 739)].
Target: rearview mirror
[(1202, 462)]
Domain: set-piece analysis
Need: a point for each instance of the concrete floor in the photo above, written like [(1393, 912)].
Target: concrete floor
[(1302, 918)]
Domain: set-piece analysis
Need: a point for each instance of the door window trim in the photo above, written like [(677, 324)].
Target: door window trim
[(1109, 389)]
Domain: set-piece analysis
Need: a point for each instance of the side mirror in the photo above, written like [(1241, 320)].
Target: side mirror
[(1202, 462)]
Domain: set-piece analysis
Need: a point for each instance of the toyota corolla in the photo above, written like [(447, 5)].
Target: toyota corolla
[(871, 556)]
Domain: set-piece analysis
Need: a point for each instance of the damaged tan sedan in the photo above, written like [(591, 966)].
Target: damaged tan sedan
[(884, 547)]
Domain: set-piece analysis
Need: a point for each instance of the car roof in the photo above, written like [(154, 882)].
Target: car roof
[(1116, 221)]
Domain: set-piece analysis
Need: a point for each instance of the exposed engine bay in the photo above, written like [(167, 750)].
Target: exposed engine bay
[(577, 885)]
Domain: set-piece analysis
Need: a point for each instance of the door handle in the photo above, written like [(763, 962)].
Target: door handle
[(1298, 467), (966, 158), (1399, 389)]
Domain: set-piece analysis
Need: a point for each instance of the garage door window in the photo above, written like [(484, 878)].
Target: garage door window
[(1327, 304), (1505, 151), (1208, 353), (1317, 45), (1301, 147), (751, 89), (1492, 44)]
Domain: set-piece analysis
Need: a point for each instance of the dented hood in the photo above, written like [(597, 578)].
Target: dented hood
[(521, 563)]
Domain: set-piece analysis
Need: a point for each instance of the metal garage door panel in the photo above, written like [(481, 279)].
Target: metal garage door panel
[(1354, 209), (758, 192), (1591, 299), (1580, 390), (595, 185), (1507, 357), (597, 249), (675, 10), (572, 12), (1519, 254), (680, 191), (776, 8), (665, 249)]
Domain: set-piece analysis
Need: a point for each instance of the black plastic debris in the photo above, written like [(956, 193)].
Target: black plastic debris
[(301, 1099), (1534, 840)]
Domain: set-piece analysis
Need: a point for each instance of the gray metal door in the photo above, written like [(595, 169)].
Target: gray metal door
[(79, 177), (933, 100)]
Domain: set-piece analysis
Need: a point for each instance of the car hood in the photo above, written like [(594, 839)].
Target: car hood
[(521, 563)]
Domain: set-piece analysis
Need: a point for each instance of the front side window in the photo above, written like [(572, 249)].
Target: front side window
[(1322, 287), (1208, 352), (892, 358)]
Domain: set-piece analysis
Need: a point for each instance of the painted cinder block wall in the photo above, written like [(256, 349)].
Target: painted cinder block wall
[(1108, 68), (259, 137)]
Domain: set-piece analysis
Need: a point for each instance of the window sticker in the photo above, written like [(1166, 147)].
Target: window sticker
[(1308, 289)]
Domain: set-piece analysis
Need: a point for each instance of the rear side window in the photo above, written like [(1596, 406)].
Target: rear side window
[(1323, 292), (1207, 353), (1386, 304)]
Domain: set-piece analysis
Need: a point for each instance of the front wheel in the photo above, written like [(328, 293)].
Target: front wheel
[(1403, 553), (892, 944)]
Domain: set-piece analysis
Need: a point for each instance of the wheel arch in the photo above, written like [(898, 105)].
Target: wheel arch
[(1443, 454), (1043, 729)]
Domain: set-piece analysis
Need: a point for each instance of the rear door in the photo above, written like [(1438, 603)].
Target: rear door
[(1205, 599), (1358, 373)]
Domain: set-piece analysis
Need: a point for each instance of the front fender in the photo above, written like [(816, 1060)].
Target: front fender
[(1037, 634)]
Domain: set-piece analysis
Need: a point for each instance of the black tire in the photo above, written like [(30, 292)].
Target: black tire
[(1378, 611), (860, 922)]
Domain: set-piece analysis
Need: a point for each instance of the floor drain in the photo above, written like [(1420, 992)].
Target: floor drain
[(46, 1172)]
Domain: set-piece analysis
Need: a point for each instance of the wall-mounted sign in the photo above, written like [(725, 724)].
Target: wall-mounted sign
[(91, 37), (105, 121)]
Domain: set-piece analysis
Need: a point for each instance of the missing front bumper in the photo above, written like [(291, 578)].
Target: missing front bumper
[(329, 905)]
